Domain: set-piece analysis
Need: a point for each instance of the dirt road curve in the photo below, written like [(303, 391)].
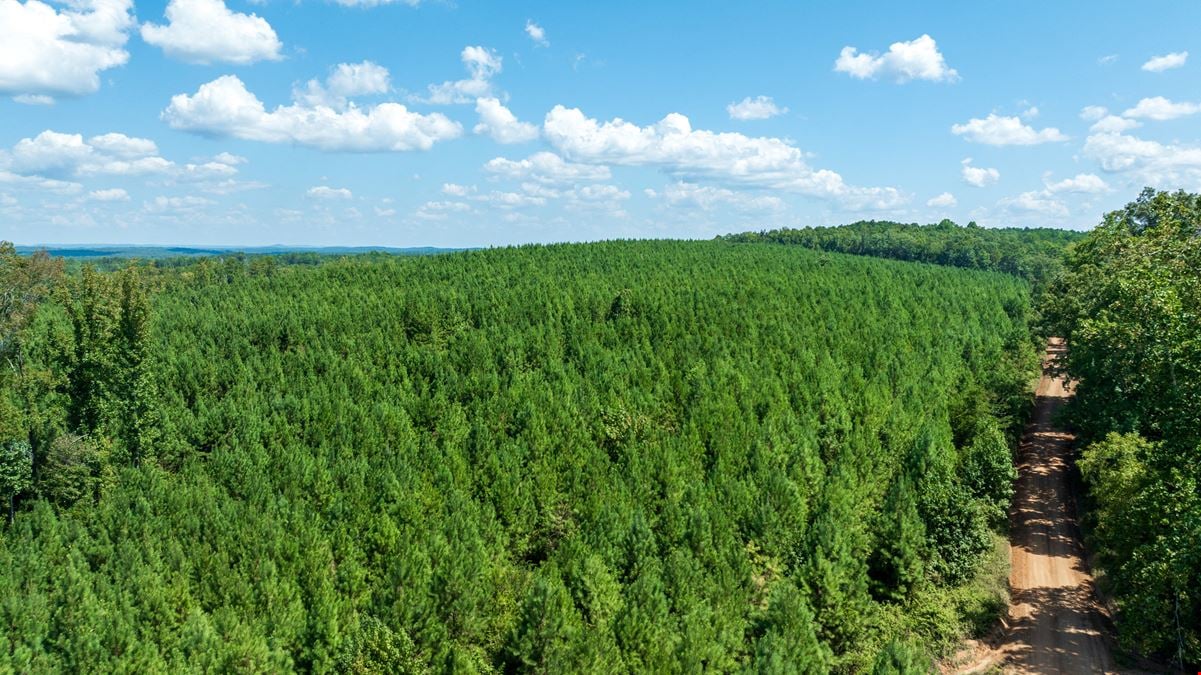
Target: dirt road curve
[(1055, 622)]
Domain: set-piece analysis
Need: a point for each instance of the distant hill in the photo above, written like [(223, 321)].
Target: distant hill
[(1035, 254)]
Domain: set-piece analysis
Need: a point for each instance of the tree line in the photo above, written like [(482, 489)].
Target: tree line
[(1034, 254)]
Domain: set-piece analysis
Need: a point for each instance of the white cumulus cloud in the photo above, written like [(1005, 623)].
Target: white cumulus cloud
[(1160, 108), (38, 182), (1092, 113), (344, 81), (112, 195), (918, 59), (441, 210), (547, 168), (944, 200), (482, 65), (501, 124), (1037, 201), (1150, 162), (674, 146), (45, 52), (206, 31), (177, 205), (1084, 183), (1158, 64), (998, 130), (224, 107), (758, 108), (708, 197), (59, 154), (978, 176), (1113, 123), (327, 192), (456, 190)]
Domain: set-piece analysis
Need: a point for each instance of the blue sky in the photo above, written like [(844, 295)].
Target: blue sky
[(412, 123)]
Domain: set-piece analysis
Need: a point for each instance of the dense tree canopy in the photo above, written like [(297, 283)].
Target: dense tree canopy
[(614, 457), (1130, 308)]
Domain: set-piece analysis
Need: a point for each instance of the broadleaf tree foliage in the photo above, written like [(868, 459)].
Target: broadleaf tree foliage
[(1129, 306)]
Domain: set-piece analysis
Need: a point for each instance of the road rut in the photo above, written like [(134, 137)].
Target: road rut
[(1056, 624)]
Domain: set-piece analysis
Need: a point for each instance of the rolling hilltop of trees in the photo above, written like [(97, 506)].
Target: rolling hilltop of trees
[(1035, 254), (1129, 306), (613, 457)]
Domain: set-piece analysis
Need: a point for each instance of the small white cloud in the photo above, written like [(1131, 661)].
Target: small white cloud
[(1158, 64), (125, 147), (441, 210), (1092, 113), (456, 190), (184, 204), (1030, 113), (1107, 59), (482, 65), (357, 79), (206, 170), (707, 198), (977, 176), (1114, 124), (225, 108), (536, 33), (229, 159), (944, 200), (113, 195), (758, 108), (46, 52), (547, 168), (1160, 108), (1084, 183), (998, 130), (34, 99), (327, 192), (1039, 202), (345, 80), (206, 31), (39, 182), (230, 186), (598, 193), (918, 59), (376, 3), (510, 200), (384, 212), (501, 124)]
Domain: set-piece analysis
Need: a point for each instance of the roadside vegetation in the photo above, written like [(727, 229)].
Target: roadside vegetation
[(1129, 305)]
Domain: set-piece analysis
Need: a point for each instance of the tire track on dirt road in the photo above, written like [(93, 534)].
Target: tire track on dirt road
[(1056, 624)]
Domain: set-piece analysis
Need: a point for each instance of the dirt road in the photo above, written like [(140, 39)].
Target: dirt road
[(1055, 622)]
